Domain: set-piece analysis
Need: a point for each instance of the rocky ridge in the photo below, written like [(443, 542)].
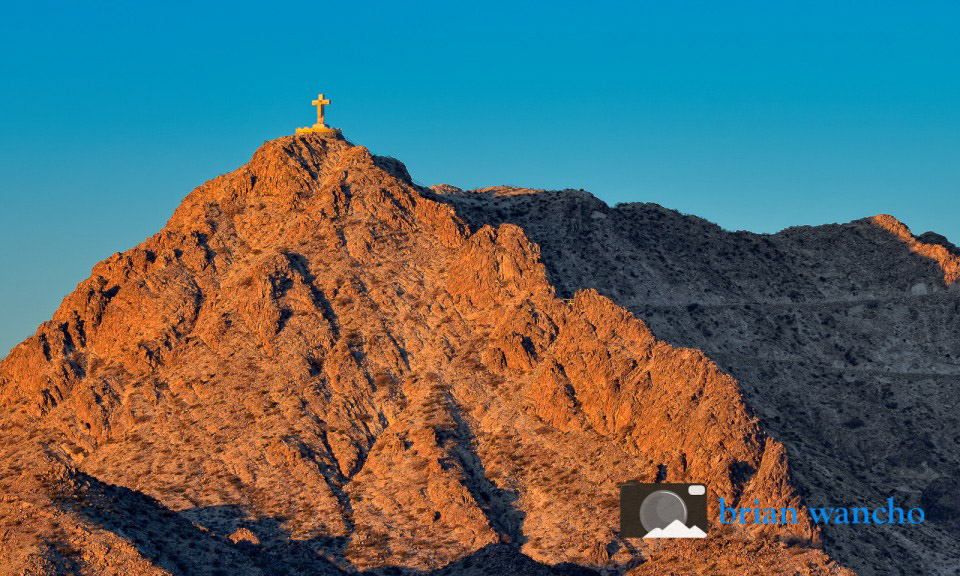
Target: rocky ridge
[(845, 340), (315, 368)]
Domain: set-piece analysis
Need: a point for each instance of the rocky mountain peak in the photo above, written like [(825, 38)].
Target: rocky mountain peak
[(316, 367)]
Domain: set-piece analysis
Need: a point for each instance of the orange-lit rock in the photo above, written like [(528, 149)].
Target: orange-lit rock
[(315, 367)]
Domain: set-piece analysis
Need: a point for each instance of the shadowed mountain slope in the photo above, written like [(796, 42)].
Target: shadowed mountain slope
[(845, 339)]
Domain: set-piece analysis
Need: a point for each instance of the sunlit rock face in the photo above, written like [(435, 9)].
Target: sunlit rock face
[(318, 368)]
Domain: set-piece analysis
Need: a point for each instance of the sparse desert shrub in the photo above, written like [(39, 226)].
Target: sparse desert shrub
[(354, 339), (383, 380)]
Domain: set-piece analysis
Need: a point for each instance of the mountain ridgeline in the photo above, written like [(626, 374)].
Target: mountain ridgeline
[(319, 367), (845, 340)]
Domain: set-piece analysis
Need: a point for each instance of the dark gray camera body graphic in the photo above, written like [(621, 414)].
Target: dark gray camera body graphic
[(663, 510)]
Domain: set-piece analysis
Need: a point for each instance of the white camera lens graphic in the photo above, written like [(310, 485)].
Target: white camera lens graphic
[(661, 508)]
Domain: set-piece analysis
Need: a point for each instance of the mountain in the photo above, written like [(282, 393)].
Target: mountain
[(845, 340), (319, 367)]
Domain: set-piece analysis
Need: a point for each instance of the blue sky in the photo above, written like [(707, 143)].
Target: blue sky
[(756, 115)]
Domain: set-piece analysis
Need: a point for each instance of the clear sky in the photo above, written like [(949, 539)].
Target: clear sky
[(756, 115)]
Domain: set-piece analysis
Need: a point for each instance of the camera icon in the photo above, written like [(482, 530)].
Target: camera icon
[(663, 510)]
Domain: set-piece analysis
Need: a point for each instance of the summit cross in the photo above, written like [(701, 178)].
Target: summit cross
[(319, 127), (320, 102)]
